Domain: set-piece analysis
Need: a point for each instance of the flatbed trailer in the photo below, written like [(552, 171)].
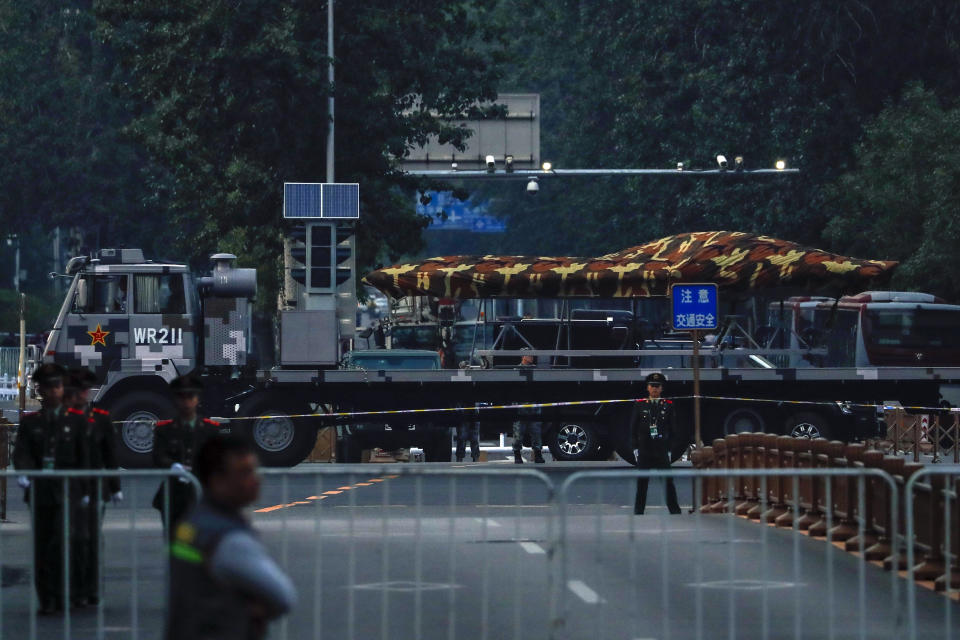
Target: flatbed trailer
[(837, 403)]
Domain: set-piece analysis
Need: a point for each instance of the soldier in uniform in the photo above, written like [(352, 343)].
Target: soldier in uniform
[(223, 584), (653, 423), (175, 444), (98, 437), (48, 441), (524, 426)]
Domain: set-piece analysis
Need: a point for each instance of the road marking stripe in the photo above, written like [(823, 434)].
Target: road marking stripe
[(364, 484), (393, 477), (375, 480), (315, 497), (582, 591), (344, 488), (490, 522), (532, 548), (268, 509), (332, 493), (301, 502)]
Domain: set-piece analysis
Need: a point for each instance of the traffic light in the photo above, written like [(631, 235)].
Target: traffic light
[(321, 257), (344, 255), (298, 254)]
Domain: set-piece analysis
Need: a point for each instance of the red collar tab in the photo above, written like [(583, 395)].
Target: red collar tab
[(100, 411), (163, 423), (74, 412), (209, 421)]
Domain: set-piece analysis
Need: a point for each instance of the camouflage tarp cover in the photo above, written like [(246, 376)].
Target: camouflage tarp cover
[(735, 261)]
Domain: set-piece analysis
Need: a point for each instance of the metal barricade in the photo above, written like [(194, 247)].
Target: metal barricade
[(412, 551), (129, 576), (715, 574), (932, 505)]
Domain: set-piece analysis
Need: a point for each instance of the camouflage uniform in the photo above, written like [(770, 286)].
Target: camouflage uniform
[(525, 426), (175, 441), (48, 440)]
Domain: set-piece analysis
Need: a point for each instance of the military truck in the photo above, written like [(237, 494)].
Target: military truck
[(138, 323)]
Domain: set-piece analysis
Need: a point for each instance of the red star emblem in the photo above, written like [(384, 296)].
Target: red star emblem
[(98, 336)]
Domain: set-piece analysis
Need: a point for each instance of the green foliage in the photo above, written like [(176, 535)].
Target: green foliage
[(232, 97), (902, 197), (41, 310), (65, 160), (650, 84)]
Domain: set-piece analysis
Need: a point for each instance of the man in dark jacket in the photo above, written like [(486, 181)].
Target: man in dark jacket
[(98, 438), (175, 445), (223, 585), (47, 441), (653, 424)]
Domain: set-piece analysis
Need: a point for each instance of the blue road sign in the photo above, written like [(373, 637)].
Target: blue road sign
[(695, 306), (460, 216)]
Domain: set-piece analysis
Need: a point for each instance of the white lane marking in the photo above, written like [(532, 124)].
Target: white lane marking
[(490, 522), (582, 591), (532, 548)]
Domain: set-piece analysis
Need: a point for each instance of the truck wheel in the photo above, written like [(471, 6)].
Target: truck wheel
[(809, 425), (280, 441), (743, 421), (138, 412), (573, 441)]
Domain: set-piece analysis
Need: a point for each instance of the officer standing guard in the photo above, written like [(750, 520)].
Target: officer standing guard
[(525, 426), (653, 423), (98, 437), (47, 441), (175, 444)]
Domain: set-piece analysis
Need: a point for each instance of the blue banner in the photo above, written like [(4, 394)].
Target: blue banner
[(460, 216)]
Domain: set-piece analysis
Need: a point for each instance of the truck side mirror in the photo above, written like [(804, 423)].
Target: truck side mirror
[(81, 295)]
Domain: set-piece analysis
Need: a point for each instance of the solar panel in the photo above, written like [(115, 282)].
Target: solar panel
[(305, 200), (341, 200)]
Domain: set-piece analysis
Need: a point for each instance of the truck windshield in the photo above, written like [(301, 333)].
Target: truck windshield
[(395, 362), (913, 328)]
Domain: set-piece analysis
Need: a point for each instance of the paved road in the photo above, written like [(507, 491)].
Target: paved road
[(462, 555)]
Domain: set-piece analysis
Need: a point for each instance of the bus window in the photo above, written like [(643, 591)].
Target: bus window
[(913, 328)]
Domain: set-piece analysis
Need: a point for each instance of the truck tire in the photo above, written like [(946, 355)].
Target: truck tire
[(573, 441), (137, 414), (743, 420), (807, 424), (279, 440)]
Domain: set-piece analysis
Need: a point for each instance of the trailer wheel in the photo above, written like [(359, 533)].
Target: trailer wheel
[(138, 412), (808, 425), (280, 440), (743, 421), (573, 441)]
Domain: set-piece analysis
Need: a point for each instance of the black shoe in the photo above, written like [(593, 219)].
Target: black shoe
[(476, 458), (517, 458), (676, 513), (538, 457)]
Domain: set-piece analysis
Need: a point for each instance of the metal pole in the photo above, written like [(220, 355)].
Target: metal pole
[(696, 388), (16, 264), (330, 172)]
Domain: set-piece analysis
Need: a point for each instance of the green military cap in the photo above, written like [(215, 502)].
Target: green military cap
[(186, 385), (82, 379), (48, 373), (656, 378)]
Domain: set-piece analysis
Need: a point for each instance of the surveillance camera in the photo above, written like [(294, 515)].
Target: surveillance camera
[(738, 163), (453, 165), (679, 166), (491, 164), (533, 186), (508, 164), (722, 161)]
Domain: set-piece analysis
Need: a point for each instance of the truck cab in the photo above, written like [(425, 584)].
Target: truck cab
[(138, 324)]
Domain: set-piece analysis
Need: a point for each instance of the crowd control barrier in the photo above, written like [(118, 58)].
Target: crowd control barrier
[(126, 562), (498, 551)]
